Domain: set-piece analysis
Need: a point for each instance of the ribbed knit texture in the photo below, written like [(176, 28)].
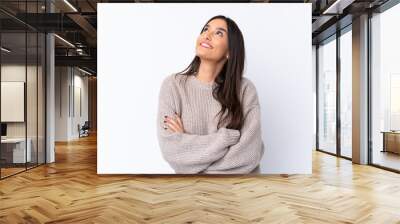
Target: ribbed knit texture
[(203, 148)]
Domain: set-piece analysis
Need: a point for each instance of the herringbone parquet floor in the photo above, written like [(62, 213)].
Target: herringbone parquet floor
[(70, 191)]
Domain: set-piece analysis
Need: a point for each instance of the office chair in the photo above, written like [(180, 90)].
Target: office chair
[(84, 130)]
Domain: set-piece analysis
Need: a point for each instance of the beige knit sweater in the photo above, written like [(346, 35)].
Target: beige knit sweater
[(203, 148)]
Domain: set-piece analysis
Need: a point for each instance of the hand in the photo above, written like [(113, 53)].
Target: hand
[(174, 124)]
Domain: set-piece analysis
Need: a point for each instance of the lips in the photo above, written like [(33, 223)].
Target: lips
[(206, 45)]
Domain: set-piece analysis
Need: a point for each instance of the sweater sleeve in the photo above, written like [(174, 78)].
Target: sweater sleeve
[(245, 156), (189, 153)]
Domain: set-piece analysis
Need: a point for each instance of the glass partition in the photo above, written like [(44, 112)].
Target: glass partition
[(385, 89), (13, 105), (32, 95), (22, 77), (327, 96)]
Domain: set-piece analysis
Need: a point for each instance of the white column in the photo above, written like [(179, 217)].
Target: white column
[(50, 92), (360, 90)]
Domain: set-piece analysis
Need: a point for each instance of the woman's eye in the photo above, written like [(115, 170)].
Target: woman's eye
[(219, 33), (205, 29)]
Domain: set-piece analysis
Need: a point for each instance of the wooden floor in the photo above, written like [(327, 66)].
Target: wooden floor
[(9, 171), (70, 191), (5, 172)]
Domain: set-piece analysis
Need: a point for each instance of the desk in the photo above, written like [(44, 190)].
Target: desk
[(16, 151), (391, 141)]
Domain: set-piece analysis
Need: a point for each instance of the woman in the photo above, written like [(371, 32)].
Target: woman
[(209, 114)]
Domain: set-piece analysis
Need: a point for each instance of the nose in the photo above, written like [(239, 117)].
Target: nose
[(208, 35)]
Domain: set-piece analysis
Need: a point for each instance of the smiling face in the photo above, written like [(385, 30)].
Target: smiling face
[(212, 43)]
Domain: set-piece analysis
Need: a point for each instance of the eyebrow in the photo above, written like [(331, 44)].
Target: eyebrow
[(219, 28)]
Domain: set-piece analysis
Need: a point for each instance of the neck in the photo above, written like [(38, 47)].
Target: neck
[(209, 70)]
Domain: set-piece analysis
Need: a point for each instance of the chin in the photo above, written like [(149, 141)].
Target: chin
[(207, 57)]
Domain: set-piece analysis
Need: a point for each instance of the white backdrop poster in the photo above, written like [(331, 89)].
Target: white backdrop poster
[(140, 44)]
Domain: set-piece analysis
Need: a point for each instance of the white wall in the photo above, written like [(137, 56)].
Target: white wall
[(68, 81), (314, 87), (61, 103), (17, 72), (133, 62)]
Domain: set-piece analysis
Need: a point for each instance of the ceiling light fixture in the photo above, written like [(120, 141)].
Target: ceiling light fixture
[(70, 5), (5, 50), (84, 71), (64, 40), (331, 7), (337, 7)]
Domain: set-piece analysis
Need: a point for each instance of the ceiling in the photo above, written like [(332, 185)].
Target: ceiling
[(76, 22)]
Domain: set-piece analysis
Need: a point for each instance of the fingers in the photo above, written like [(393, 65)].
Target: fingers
[(168, 124), (173, 122), (173, 125), (179, 120)]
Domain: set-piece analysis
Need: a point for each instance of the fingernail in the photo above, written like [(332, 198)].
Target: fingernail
[(165, 116), (165, 122)]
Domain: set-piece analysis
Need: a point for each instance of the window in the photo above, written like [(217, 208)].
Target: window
[(346, 93), (327, 96), (385, 88)]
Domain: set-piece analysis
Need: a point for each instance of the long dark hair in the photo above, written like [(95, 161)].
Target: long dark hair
[(227, 90)]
